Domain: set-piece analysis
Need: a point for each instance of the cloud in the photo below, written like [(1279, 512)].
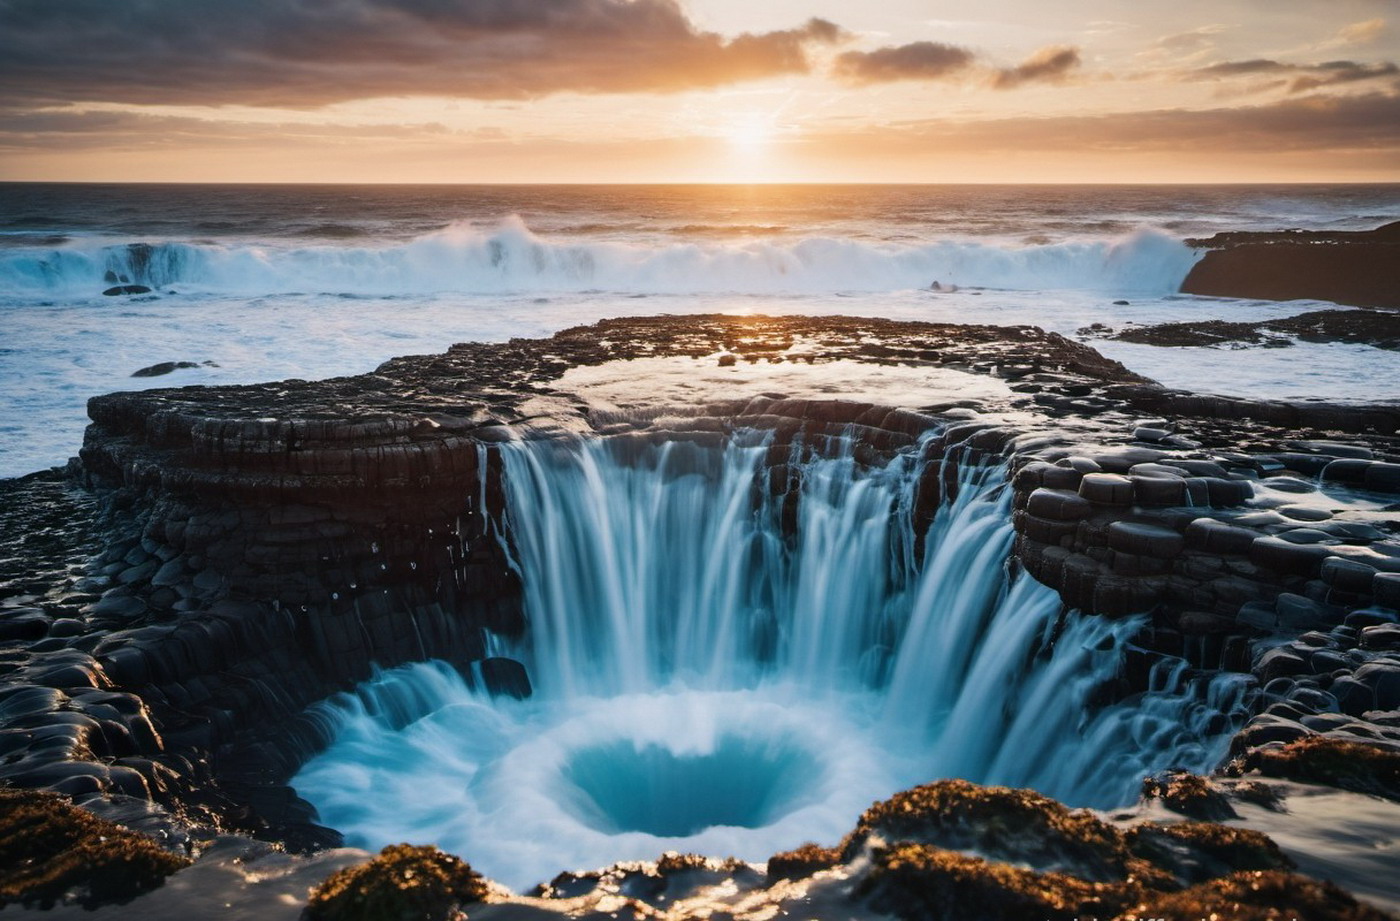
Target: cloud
[(1312, 123), (1304, 77), (1048, 65), (1187, 42), (940, 61), (101, 130), (308, 54), (1362, 33), (915, 61)]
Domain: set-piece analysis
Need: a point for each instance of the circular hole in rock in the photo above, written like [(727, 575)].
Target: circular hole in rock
[(745, 782)]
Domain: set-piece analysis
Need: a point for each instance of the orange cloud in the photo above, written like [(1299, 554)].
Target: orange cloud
[(1048, 65), (915, 61)]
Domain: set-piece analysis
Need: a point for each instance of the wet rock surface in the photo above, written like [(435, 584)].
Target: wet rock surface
[(1368, 327), (51, 850), (912, 869), (401, 882), (223, 557), (1359, 268)]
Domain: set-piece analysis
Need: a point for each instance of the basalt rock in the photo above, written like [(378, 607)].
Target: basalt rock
[(262, 546), (164, 367), (1377, 328), (1357, 268)]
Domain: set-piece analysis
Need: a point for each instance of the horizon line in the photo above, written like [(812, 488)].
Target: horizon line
[(716, 183)]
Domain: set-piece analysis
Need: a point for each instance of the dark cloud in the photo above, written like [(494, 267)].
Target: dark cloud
[(302, 54), (1334, 72), (1048, 65), (915, 61), (1304, 76), (1239, 68), (70, 130)]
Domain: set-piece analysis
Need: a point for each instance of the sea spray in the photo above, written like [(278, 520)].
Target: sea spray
[(510, 259), (714, 676)]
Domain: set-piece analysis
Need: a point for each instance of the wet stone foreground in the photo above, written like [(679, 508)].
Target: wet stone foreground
[(218, 559)]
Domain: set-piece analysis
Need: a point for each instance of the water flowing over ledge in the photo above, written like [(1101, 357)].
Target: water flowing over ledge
[(735, 652)]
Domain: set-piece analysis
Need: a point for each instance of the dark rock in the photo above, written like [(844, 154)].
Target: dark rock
[(917, 882), (52, 851), (1288, 557), (402, 882), (1196, 852), (1189, 794), (117, 290), (505, 678), (803, 862), (1107, 489), (1259, 895), (1355, 268), (1296, 612), (1381, 636), (1145, 539), (1383, 678), (1019, 826), (1280, 662), (1059, 504), (1220, 537), (1351, 766), (1386, 589), (164, 367), (23, 624)]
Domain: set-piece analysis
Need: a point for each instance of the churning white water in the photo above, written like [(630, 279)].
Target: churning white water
[(715, 673)]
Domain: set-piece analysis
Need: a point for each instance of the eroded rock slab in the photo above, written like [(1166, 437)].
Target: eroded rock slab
[(1359, 268)]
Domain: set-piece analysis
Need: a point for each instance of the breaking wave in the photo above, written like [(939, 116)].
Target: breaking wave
[(509, 258)]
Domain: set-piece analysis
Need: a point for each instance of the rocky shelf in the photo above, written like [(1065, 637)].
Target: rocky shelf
[(1360, 268), (220, 558)]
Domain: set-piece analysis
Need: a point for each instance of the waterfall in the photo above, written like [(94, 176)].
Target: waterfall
[(735, 650)]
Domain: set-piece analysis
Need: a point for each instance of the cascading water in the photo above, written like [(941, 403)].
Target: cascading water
[(714, 674)]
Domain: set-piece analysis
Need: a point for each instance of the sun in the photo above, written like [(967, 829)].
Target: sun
[(750, 131)]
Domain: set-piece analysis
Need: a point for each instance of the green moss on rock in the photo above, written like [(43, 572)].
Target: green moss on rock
[(403, 883), (52, 850)]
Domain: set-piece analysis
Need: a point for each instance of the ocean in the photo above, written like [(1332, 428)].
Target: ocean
[(255, 283)]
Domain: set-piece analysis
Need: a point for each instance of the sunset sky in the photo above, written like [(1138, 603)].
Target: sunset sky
[(700, 90)]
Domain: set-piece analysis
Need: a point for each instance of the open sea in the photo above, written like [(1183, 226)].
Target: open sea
[(254, 283)]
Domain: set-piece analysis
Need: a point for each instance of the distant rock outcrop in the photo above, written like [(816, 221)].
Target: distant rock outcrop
[(1358, 268)]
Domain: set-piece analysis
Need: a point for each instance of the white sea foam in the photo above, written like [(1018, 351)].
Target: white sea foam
[(266, 284), (508, 258)]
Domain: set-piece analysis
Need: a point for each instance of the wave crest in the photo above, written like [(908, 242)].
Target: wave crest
[(509, 258)]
